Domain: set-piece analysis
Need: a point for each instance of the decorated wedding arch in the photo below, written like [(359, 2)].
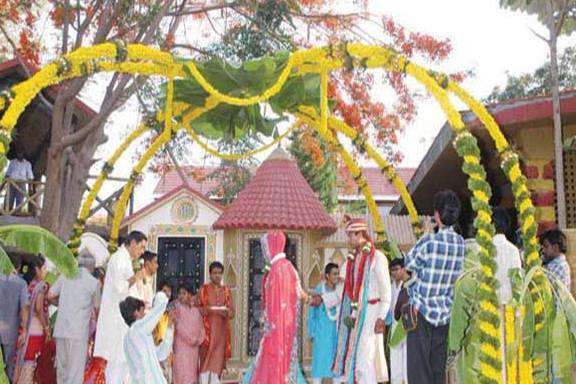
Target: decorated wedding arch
[(529, 363)]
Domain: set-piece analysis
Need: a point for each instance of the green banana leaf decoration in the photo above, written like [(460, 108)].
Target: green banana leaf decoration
[(37, 240), (3, 377), (6, 266), (252, 78), (554, 346), (463, 335), (398, 335)]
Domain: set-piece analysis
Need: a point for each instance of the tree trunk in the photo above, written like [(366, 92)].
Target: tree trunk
[(558, 138)]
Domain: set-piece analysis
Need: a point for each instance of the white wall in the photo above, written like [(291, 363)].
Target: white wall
[(155, 223)]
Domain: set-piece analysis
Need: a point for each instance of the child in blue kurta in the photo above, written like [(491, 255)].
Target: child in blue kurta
[(322, 323)]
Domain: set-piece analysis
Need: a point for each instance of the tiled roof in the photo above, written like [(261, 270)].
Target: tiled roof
[(198, 178), (378, 183), (398, 229), (278, 197)]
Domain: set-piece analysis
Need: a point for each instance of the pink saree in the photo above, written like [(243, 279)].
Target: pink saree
[(277, 358)]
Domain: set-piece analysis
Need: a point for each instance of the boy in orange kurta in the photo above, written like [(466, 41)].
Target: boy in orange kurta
[(217, 309)]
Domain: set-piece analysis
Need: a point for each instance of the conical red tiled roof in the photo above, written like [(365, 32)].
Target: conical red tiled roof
[(278, 197)]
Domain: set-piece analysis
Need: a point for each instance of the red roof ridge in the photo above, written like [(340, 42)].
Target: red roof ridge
[(277, 197)]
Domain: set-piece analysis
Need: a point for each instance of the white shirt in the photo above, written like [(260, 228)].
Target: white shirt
[(77, 297), (111, 327), (144, 290), (142, 355), (379, 285), (507, 258), (396, 288), (19, 170)]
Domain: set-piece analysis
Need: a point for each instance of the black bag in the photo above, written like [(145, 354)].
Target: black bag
[(409, 317)]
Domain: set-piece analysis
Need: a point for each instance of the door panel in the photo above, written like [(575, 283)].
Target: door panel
[(181, 261)]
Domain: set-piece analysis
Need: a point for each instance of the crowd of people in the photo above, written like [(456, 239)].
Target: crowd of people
[(124, 327)]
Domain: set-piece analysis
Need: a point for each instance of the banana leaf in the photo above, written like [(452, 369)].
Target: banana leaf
[(37, 240), (463, 334), (395, 252), (3, 377), (538, 345), (561, 349), (463, 310), (6, 266), (398, 335), (252, 78)]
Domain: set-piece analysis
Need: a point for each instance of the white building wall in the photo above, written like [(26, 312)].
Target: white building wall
[(160, 222)]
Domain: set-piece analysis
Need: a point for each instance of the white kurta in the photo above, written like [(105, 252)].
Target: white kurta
[(111, 327), (370, 361), (398, 361), (144, 290)]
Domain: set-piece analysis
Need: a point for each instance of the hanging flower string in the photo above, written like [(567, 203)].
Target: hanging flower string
[(137, 59)]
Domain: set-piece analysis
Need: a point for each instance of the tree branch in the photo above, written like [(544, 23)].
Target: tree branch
[(547, 41), (177, 166), (202, 9), (82, 28), (65, 28)]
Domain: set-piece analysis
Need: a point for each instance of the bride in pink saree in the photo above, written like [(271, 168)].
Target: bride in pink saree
[(277, 357)]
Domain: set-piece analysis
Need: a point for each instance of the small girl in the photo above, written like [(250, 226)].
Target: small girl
[(189, 334)]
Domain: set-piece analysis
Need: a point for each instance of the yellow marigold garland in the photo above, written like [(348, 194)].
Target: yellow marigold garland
[(381, 238), (74, 242), (139, 59)]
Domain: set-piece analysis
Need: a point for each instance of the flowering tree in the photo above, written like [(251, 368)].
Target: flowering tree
[(262, 27)]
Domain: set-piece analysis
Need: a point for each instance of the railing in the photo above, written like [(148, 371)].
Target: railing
[(26, 198), (21, 198)]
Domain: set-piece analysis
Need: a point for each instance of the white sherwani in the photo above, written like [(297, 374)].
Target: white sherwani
[(370, 361), (111, 326), (398, 361)]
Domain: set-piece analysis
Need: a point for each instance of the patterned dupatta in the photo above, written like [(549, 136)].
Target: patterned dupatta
[(354, 301)]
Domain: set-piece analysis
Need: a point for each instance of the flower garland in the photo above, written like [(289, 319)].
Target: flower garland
[(107, 168), (162, 139), (238, 156), (137, 59), (386, 169), (307, 114), (510, 164)]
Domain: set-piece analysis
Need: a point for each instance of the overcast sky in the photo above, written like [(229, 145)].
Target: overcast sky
[(485, 39)]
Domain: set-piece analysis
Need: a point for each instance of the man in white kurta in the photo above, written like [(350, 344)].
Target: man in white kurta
[(145, 289), (111, 327), (363, 313)]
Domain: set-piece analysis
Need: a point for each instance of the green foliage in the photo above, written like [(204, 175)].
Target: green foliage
[(252, 78), (3, 377), (538, 83), (398, 335), (463, 334), (268, 30), (233, 175), (321, 178), (37, 240), (539, 8), (355, 207), (6, 266)]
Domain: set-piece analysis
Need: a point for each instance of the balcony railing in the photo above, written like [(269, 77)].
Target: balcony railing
[(26, 198)]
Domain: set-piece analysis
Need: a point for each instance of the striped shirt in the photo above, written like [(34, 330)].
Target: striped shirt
[(436, 262), (142, 355), (559, 268)]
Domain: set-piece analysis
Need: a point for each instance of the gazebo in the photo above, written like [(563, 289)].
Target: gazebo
[(278, 197)]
